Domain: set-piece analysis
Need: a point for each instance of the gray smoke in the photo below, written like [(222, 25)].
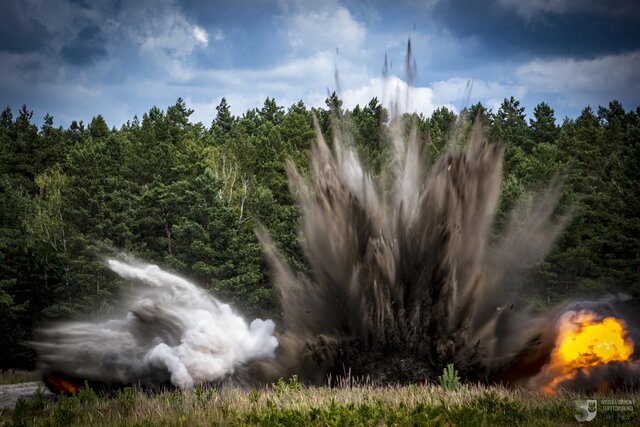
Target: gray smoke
[(173, 333)]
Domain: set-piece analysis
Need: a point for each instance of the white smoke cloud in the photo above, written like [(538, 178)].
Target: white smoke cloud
[(214, 338), (172, 326)]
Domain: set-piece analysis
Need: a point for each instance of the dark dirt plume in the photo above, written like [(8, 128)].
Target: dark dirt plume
[(403, 283)]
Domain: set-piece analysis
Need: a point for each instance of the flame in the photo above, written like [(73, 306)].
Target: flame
[(58, 385), (584, 340)]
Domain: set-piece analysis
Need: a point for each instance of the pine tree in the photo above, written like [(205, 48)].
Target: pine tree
[(543, 126), (222, 124)]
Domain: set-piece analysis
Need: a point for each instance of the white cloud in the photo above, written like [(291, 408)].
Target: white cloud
[(490, 93), (314, 69), (292, 80), (205, 111), (166, 29), (201, 36), (157, 33), (151, 61), (165, 39), (245, 89), (608, 73), (328, 28), (157, 24), (450, 93)]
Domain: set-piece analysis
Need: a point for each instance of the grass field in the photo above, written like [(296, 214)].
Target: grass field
[(289, 403), (15, 376)]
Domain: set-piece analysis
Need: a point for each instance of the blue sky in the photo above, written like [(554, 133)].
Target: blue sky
[(78, 58)]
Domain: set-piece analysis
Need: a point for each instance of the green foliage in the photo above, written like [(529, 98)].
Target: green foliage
[(283, 388), (86, 395), (65, 412), (222, 125), (203, 395), (449, 378), (15, 376), (543, 125), (126, 398), (25, 409), (444, 119), (254, 396), (98, 128)]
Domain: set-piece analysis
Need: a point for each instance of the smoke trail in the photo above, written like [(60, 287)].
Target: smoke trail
[(173, 332)]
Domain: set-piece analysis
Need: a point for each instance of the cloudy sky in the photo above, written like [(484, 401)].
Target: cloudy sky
[(78, 58)]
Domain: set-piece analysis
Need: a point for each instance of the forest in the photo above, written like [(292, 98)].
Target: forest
[(189, 196)]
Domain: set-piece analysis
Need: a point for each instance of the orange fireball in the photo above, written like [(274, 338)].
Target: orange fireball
[(584, 341), (58, 385)]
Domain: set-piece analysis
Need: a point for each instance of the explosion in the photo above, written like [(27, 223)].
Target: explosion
[(400, 283), (585, 341)]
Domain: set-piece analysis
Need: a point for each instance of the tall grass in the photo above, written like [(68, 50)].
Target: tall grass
[(14, 376), (289, 403)]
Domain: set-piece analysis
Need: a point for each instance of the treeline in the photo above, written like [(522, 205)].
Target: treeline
[(189, 197)]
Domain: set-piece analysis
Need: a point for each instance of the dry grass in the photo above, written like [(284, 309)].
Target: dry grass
[(15, 376), (288, 403)]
